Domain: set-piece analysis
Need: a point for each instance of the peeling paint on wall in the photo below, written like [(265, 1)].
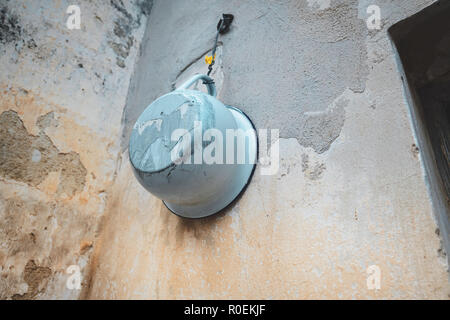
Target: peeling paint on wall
[(30, 159), (35, 277)]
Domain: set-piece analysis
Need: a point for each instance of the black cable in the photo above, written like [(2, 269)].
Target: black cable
[(222, 27), (215, 47)]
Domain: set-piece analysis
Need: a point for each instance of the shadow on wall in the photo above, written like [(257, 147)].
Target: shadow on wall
[(423, 45)]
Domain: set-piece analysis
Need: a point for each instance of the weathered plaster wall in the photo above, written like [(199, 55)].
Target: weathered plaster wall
[(350, 192), (62, 93)]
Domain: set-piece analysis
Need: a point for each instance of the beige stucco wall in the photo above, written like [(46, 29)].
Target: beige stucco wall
[(341, 201), (61, 101)]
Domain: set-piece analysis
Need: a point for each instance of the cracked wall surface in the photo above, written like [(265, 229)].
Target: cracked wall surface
[(62, 93), (350, 191)]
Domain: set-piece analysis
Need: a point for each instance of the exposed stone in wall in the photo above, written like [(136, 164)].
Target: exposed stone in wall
[(35, 277), (30, 159)]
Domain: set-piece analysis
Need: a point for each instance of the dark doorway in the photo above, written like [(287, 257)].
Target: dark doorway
[(423, 45)]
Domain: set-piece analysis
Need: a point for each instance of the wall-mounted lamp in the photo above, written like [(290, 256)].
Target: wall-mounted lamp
[(193, 152)]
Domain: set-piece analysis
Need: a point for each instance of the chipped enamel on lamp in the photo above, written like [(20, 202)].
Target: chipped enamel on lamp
[(174, 170)]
